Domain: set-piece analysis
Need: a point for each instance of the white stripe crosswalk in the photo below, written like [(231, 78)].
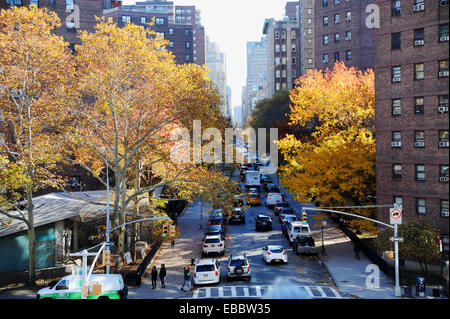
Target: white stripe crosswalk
[(257, 291)]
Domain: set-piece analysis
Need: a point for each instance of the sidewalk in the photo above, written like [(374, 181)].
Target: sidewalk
[(348, 273), (186, 247)]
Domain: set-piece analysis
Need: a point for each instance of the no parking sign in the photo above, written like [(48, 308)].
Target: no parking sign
[(395, 215)]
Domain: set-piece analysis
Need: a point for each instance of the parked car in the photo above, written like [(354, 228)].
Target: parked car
[(285, 211), (253, 199), (285, 222), (216, 228), (253, 190), (207, 271), (237, 216), (272, 199), (304, 245), (297, 228), (213, 244), (277, 208), (238, 267), (263, 222), (274, 253), (69, 287)]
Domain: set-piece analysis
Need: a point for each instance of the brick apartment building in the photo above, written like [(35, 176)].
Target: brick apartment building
[(305, 16), (341, 34), (411, 79), (282, 51)]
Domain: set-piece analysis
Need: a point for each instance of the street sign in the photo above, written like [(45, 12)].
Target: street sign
[(395, 215), (399, 239)]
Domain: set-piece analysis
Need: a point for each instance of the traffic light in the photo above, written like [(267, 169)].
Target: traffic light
[(304, 219), (165, 229), (106, 258)]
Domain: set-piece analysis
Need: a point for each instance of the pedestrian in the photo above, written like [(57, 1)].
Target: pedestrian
[(162, 275), (187, 279), (356, 250), (154, 277), (172, 243)]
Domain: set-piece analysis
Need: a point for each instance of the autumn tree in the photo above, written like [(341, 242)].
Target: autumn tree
[(336, 165), (130, 97), (34, 69), (420, 241)]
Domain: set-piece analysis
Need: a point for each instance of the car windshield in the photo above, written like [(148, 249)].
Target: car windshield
[(284, 204), (290, 218), (202, 268), (212, 233), (276, 250), (305, 229), (264, 218), (238, 262), (212, 240), (215, 228)]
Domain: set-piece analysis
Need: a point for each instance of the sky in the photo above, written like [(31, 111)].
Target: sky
[(231, 23)]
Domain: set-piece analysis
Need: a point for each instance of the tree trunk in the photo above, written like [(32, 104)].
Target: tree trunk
[(31, 281)]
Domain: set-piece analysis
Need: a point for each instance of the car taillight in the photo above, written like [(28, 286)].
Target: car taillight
[(229, 269), (248, 268), (270, 221), (220, 245), (217, 272), (205, 245), (268, 253), (258, 221), (195, 275), (284, 252)]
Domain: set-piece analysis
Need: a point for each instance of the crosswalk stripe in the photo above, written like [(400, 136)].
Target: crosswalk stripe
[(256, 292)]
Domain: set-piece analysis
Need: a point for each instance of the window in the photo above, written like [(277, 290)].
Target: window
[(396, 73), (396, 8), (396, 41), (443, 33), (277, 48), (293, 34), (419, 139), (419, 73), (348, 55), (348, 16), (337, 19), (171, 31), (187, 32), (309, 41), (325, 59), (443, 3), (443, 138), (143, 20), (419, 5), (420, 206), (443, 173), (277, 35), (277, 73), (336, 2), (70, 6), (310, 61), (126, 19), (443, 69), (283, 34), (293, 47), (159, 21), (418, 105), (35, 2), (309, 31), (309, 11), (294, 60), (348, 35), (277, 86), (325, 3), (443, 104), (187, 45), (396, 139), (14, 2), (309, 21), (336, 38), (325, 20), (420, 173), (325, 39), (398, 200), (283, 60), (419, 37), (283, 73), (397, 171), (188, 58), (336, 56), (277, 61), (444, 208), (283, 48), (294, 74), (171, 44), (396, 106)]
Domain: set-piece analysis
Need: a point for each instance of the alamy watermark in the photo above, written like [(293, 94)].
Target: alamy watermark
[(207, 146), (373, 277)]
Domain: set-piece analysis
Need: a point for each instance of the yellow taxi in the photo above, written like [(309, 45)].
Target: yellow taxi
[(253, 199)]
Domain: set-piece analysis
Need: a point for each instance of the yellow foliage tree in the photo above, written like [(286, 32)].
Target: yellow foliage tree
[(336, 165)]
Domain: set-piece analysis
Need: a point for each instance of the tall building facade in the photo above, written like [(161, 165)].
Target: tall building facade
[(306, 20), (256, 79), (191, 15), (216, 62), (411, 80), (341, 34), (283, 65)]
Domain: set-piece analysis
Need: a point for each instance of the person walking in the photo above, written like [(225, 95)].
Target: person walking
[(162, 275), (154, 277), (356, 250), (187, 279)]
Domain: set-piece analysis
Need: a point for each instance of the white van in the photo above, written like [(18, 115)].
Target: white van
[(272, 199), (297, 228), (101, 286)]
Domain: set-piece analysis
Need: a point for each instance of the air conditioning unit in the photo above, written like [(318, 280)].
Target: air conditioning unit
[(419, 7), (443, 74), (397, 79), (397, 112), (443, 179), (443, 109), (444, 213), (396, 144), (419, 42), (348, 38), (419, 144), (325, 62), (443, 38), (348, 19), (443, 144)]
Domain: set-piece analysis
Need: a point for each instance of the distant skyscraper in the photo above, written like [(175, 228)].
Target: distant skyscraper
[(256, 75), (215, 60), (237, 115), (229, 107)]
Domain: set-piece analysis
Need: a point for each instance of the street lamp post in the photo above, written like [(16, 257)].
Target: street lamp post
[(324, 223)]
